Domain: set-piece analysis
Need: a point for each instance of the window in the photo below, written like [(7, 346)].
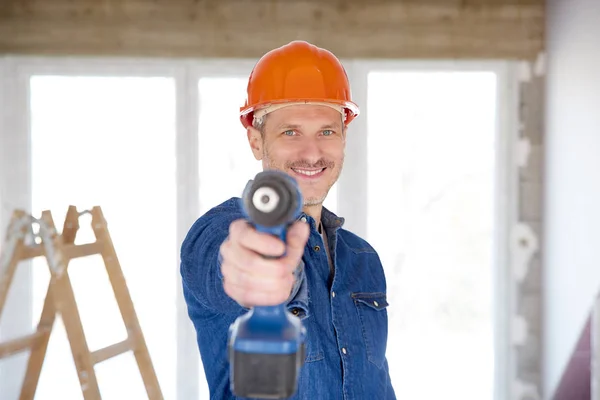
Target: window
[(158, 143), (225, 160), (109, 141), (431, 213)]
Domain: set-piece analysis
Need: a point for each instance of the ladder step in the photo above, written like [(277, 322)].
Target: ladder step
[(111, 351), (83, 250), (19, 345), (71, 250), (31, 252)]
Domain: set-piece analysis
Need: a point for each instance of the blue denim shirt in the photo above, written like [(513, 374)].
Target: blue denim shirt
[(345, 313)]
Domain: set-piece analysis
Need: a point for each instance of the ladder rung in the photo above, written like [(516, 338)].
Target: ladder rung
[(111, 351), (19, 345), (32, 251), (71, 250), (83, 250)]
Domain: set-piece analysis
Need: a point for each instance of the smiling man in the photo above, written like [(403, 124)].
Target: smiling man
[(296, 115), (306, 141)]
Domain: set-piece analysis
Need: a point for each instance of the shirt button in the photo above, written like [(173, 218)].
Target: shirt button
[(332, 294), (303, 219), (344, 350), (317, 248), (376, 304)]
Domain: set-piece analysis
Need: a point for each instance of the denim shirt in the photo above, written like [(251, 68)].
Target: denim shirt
[(345, 313)]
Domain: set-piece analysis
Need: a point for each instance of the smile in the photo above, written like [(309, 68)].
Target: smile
[(309, 172)]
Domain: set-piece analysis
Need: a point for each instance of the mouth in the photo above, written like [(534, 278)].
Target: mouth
[(309, 173)]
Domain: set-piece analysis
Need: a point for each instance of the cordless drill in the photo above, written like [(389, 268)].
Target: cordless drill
[(266, 345)]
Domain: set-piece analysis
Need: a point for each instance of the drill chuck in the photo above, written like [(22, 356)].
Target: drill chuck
[(272, 201)]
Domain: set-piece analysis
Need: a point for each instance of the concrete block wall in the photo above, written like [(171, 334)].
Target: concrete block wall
[(526, 239)]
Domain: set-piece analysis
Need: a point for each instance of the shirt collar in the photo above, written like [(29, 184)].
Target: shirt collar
[(329, 220)]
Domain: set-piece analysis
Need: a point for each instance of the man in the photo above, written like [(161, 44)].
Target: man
[(296, 115)]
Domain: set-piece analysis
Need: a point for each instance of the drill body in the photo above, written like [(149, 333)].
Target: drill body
[(266, 345)]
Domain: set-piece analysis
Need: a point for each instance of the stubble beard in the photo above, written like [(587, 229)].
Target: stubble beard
[(308, 201)]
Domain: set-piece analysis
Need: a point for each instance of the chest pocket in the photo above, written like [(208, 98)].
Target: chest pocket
[(372, 312)]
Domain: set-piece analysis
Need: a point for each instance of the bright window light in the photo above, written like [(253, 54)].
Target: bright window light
[(109, 142), (431, 174)]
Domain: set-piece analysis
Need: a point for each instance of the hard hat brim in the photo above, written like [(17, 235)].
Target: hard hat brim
[(246, 113)]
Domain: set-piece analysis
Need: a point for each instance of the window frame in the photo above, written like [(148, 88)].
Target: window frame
[(20, 70)]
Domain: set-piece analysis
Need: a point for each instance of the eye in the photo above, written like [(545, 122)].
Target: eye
[(327, 132), (288, 132)]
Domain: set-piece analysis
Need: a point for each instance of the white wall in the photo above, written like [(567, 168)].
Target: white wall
[(572, 198)]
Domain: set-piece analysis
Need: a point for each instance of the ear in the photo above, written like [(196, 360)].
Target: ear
[(256, 142)]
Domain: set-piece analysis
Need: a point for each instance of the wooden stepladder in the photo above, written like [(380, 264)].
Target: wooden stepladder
[(58, 250)]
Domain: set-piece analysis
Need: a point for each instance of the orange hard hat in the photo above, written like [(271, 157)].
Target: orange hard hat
[(298, 72)]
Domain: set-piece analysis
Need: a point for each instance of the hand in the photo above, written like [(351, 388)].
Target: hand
[(253, 280)]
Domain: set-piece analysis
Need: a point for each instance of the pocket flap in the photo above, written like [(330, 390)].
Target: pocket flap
[(377, 301)]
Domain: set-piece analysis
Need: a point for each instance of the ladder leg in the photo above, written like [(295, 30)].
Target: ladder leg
[(10, 255), (13, 251), (46, 323), (125, 303), (38, 351), (65, 303), (140, 349)]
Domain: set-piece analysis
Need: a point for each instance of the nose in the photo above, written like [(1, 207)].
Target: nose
[(310, 149)]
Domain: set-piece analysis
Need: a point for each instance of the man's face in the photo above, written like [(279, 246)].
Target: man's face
[(305, 141)]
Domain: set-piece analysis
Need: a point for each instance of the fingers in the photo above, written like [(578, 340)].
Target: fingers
[(252, 280), (244, 278), (249, 262), (248, 297), (242, 232)]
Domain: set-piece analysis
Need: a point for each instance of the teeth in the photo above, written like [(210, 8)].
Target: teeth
[(308, 173)]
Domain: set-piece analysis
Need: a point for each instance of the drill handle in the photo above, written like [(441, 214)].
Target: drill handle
[(274, 314), (269, 316)]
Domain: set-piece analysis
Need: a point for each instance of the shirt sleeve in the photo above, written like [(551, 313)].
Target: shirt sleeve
[(201, 267)]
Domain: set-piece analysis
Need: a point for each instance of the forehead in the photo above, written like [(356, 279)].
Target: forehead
[(305, 115)]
